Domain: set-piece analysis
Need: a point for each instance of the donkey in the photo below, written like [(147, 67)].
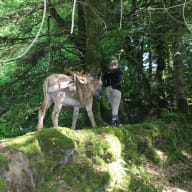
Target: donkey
[(69, 91)]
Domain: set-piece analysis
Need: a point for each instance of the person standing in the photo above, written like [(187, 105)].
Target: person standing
[(111, 80)]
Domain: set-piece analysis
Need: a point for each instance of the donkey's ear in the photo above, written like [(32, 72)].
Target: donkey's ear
[(98, 75)]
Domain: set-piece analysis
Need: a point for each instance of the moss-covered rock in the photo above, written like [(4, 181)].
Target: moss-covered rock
[(108, 159)]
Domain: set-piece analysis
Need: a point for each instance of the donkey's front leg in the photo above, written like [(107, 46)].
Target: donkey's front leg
[(75, 116), (90, 115)]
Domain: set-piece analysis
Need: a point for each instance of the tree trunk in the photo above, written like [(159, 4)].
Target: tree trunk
[(81, 42), (181, 98), (160, 48), (177, 43), (92, 20), (92, 56)]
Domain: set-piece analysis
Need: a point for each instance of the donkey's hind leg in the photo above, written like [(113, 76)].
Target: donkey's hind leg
[(58, 100), (42, 111), (55, 114)]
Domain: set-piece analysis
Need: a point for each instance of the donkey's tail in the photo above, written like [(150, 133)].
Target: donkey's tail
[(43, 108), (45, 93)]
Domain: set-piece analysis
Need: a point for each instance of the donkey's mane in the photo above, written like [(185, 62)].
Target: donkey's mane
[(85, 89)]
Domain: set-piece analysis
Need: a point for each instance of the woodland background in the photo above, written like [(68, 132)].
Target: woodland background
[(151, 39)]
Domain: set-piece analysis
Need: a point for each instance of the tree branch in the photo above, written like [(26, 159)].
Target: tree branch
[(55, 15)]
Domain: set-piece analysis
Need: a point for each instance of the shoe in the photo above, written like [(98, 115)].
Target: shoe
[(115, 123)]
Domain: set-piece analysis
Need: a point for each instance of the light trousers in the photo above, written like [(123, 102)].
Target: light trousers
[(114, 98)]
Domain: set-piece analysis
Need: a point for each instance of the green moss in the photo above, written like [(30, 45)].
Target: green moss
[(3, 159), (146, 148), (114, 159), (50, 139), (83, 177), (28, 144), (141, 185), (53, 145), (3, 187), (3, 163), (104, 147)]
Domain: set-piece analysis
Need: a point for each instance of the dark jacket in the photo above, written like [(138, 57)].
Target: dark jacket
[(112, 78)]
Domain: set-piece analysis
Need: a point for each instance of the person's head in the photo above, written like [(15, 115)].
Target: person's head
[(114, 63)]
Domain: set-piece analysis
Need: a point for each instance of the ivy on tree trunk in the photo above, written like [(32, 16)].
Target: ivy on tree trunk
[(93, 52)]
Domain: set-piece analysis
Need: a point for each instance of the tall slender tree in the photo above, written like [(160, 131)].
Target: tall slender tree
[(180, 87), (93, 24), (177, 50), (93, 52)]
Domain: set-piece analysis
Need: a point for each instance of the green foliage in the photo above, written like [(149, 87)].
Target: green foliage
[(110, 158), (145, 39), (173, 117)]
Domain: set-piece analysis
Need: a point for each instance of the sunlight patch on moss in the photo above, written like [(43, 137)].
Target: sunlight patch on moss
[(170, 189), (119, 179), (186, 154), (27, 143), (162, 155), (114, 145)]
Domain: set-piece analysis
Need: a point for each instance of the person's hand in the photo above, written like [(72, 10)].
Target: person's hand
[(110, 89)]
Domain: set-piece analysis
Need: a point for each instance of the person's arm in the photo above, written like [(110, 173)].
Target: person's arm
[(105, 78), (118, 79)]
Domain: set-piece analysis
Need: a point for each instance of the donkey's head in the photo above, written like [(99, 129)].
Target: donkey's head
[(96, 85)]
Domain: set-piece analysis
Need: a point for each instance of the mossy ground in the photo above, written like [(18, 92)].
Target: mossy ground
[(147, 157), (3, 167)]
